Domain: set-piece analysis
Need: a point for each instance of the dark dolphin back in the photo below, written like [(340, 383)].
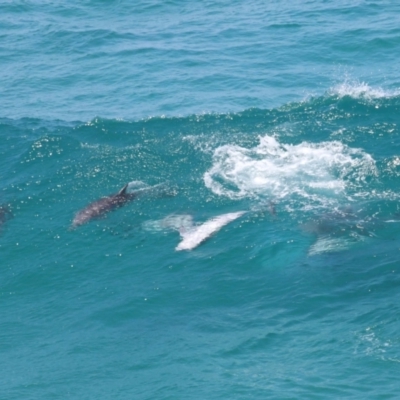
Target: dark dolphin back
[(123, 193), (99, 208), (5, 214)]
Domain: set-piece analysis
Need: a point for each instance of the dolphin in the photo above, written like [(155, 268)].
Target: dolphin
[(196, 235), (102, 206), (5, 214), (192, 234)]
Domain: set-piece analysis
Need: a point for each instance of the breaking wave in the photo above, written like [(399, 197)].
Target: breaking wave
[(315, 172), (362, 90)]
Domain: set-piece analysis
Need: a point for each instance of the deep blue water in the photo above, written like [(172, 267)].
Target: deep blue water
[(284, 115)]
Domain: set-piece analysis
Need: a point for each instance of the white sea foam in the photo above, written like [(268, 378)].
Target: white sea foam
[(137, 185), (372, 342), (357, 89), (140, 188), (315, 172)]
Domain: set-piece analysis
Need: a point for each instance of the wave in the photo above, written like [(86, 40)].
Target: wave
[(315, 153), (361, 90), (353, 88)]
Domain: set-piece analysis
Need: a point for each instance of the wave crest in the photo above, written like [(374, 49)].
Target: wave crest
[(361, 90)]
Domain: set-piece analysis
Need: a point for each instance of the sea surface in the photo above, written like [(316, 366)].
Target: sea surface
[(260, 255)]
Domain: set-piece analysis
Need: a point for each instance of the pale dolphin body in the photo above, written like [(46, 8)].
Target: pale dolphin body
[(194, 236), (102, 206)]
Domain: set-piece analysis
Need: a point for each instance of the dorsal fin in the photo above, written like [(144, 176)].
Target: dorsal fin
[(122, 192)]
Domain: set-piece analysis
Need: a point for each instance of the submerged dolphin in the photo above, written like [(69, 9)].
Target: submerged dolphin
[(5, 214), (102, 206)]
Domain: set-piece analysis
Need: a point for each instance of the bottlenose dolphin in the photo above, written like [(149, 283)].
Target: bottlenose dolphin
[(195, 235), (342, 229), (102, 206), (5, 214), (192, 234)]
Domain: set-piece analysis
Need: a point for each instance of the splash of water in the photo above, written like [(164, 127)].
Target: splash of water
[(309, 172)]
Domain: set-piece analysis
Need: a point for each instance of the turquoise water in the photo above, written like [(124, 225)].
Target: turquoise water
[(286, 114)]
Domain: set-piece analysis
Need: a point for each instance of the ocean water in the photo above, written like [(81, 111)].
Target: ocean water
[(260, 255)]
